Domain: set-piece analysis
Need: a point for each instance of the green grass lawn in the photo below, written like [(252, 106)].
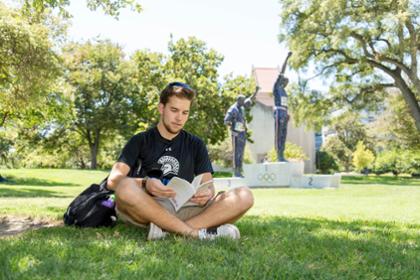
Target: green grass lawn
[(369, 228)]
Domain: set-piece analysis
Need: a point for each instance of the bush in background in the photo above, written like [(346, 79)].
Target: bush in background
[(221, 153), (339, 151), (325, 163), (291, 152), (362, 157), (397, 161)]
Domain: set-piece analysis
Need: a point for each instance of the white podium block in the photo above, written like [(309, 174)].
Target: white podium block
[(272, 174), (315, 181), (230, 183)]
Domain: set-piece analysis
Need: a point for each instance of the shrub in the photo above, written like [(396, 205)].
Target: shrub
[(409, 162), (398, 161), (221, 153), (362, 157), (292, 152), (325, 163), (337, 149), (386, 162)]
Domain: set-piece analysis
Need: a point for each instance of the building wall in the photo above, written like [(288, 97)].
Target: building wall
[(262, 126)]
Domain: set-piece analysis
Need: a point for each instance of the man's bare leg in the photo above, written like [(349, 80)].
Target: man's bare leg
[(143, 209), (227, 208)]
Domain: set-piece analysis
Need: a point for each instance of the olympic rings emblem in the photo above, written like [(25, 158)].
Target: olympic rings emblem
[(268, 177)]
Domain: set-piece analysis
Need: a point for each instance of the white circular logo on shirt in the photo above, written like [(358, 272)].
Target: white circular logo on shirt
[(170, 165)]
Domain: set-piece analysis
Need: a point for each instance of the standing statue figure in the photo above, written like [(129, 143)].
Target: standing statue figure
[(235, 119), (281, 117)]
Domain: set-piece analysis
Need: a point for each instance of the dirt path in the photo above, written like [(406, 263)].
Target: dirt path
[(15, 225)]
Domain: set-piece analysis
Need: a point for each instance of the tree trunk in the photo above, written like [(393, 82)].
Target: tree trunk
[(82, 163), (410, 100), (410, 97), (93, 155), (94, 148)]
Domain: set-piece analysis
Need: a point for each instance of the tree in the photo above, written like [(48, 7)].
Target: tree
[(363, 46), (110, 7), (387, 161), (28, 65), (350, 130), (150, 74), (192, 62), (106, 95), (309, 107), (325, 163), (403, 130), (113, 98), (28, 70), (189, 60), (338, 150), (392, 129), (362, 157)]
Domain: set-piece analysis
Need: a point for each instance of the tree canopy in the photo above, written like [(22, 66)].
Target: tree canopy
[(28, 64), (362, 46), (110, 7), (107, 96), (112, 96)]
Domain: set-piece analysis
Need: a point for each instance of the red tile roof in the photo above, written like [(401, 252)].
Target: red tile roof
[(265, 78)]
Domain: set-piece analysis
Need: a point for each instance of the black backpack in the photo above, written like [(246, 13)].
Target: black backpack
[(92, 208)]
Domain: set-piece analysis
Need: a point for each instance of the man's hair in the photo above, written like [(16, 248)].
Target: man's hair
[(178, 89)]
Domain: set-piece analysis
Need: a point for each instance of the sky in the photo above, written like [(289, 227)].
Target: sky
[(245, 32)]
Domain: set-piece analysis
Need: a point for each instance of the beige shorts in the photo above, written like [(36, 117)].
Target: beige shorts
[(184, 213)]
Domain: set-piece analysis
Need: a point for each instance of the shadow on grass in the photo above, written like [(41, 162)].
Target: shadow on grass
[(26, 192), (28, 181), (270, 248), (380, 180)]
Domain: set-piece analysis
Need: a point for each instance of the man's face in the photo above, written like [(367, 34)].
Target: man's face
[(174, 114)]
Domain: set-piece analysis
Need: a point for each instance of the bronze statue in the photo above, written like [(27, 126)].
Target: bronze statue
[(281, 117), (235, 119)]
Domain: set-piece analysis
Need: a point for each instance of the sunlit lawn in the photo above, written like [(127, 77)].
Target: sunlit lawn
[(368, 228)]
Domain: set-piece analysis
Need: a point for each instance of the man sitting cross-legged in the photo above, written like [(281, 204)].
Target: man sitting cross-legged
[(145, 201)]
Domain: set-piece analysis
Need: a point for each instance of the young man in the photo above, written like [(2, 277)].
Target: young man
[(171, 150)]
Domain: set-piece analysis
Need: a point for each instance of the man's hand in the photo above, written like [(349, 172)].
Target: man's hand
[(202, 197), (257, 88), (155, 187)]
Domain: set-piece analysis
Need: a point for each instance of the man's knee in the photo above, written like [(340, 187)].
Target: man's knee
[(246, 197), (241, 198), (126, 191)]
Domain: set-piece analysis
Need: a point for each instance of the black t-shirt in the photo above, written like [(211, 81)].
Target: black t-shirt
[(184, 156)]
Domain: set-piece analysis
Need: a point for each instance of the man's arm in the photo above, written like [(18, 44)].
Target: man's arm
[(152, 186), (119, 171), (229, 117), (248, 102), (252, 97)]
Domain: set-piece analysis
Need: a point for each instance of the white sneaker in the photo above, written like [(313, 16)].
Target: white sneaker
[(226, 230), (156, 232)]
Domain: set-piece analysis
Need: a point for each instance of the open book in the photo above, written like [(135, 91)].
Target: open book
[(185, 190)]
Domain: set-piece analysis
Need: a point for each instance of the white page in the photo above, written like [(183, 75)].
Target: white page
[(184, 191), (197, 180)]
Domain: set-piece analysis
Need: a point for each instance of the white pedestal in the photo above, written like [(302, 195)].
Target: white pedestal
[(278, 174), (272, 174), (229, 183), (315, 181)]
